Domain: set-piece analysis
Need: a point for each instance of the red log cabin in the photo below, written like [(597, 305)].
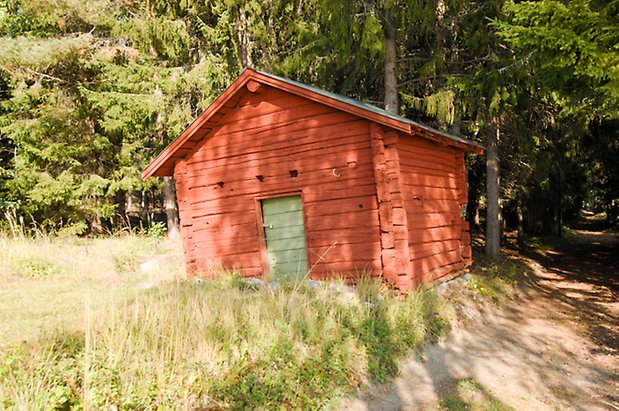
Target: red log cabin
[(280, 179)]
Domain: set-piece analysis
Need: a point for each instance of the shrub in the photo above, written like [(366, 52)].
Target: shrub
[(157, 230)]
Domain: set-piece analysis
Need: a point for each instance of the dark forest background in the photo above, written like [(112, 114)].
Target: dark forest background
[(92, 91)]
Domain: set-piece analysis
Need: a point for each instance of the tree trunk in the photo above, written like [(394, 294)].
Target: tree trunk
[(520, 215), (243, 40), (171, 209), (493, 217), (391, 82)]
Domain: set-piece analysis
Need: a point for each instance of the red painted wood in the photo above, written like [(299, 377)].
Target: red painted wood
[(236, 91), (367, 218), (347, 268), (433, 262), (312, 183), (311, 124), (224, 219), (287, 148), (426, 235), (344, 253), (353, 235), (423, 250), (419, 207), (429, 220), (395, 212), (327, 158), (434, 187)]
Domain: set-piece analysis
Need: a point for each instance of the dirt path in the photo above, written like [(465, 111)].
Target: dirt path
[(555, 347)]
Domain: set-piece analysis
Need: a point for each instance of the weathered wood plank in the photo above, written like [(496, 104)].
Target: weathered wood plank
[(436, 234), (323, 159)]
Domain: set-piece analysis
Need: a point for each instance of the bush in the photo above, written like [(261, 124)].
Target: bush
[(157, 230)]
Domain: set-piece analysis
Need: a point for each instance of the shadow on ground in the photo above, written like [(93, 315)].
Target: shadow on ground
[(553, 347)]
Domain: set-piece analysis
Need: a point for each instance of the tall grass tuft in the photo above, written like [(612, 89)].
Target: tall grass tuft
[(219, 345)]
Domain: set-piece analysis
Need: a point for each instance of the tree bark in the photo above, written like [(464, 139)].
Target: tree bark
[(493, 217), (243, 39), (171, 208), (391, 83), (520, 215)]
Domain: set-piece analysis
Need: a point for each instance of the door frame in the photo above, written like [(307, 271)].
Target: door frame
[(264, 256)]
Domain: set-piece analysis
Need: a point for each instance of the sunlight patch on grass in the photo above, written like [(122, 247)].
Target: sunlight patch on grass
[(469, 395), (495, 278)]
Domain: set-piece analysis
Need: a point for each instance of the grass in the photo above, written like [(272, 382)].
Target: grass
[(546, 244), (495, 278), (83, 327), (469, 395), (45, 283)]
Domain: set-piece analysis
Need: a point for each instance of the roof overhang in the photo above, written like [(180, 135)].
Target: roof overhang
[(251, 79)]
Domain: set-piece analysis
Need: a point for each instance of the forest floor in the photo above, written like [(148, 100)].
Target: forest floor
[(554, 346)]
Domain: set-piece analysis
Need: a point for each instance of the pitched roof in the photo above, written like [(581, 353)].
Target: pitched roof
[(163, 165)]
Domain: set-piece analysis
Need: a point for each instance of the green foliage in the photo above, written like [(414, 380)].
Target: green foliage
[(495, 278), (157, 230), (213, 345), (90, 95), (573, 47), (468, 394), (35, 267), (90, 91)]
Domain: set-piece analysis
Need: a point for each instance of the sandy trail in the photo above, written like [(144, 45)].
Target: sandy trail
[(556, 346)]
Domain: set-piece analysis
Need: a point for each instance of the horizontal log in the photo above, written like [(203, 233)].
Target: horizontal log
[(218, 221), (441, 273), (419, 179), (200, 196), (423, 250), (240, 260), (419, 144), (210, 246), (435, 151), (430, 194), (323, 159), (428, 162), (416, 207), (347, 268), (430, 220), (356, 235), (344, 253), (345, 205), (366, 218), (285, 116), (263, 147), (274, 131), (265, 105), (227, 230), (427, 264), (429, 235)]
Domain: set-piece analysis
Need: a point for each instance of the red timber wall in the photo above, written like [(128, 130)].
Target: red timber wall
[(249, 156), (433, 184)]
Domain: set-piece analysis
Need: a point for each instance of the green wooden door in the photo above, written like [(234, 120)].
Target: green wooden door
[(285, 237)]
